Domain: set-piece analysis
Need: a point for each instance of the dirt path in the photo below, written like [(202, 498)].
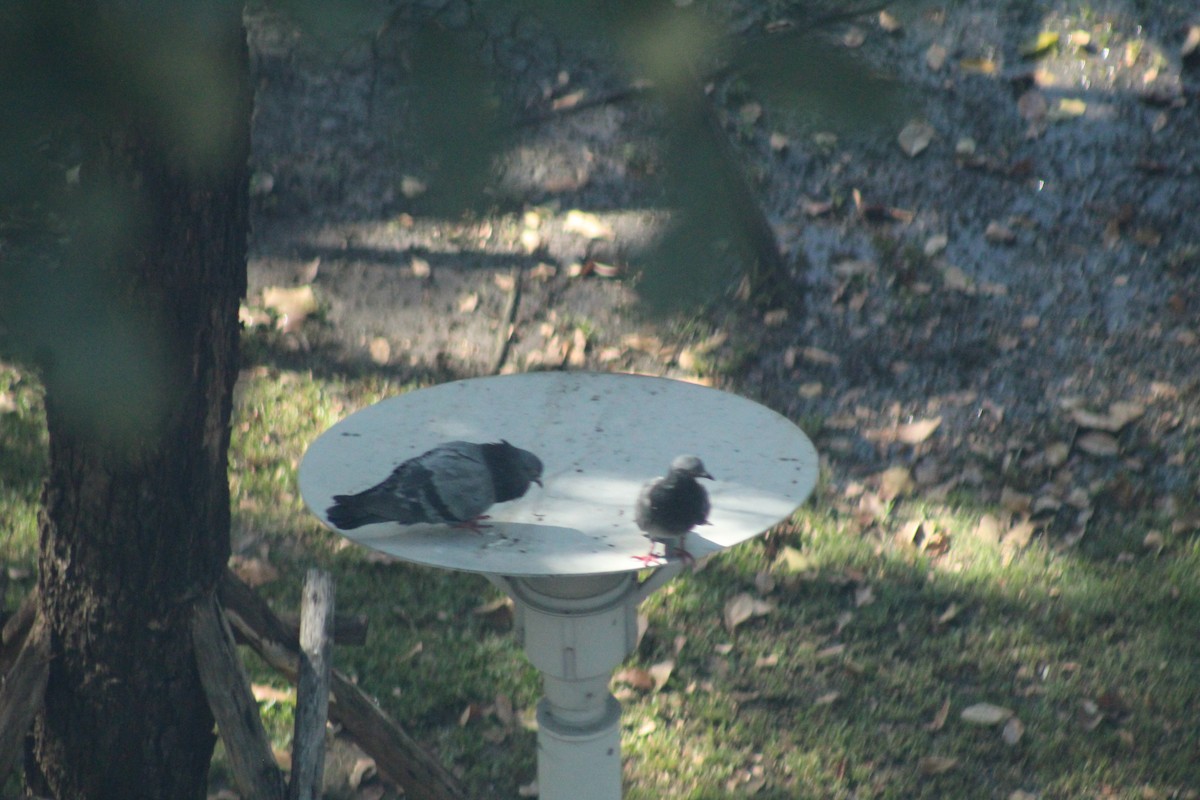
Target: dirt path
[(1037, 261)]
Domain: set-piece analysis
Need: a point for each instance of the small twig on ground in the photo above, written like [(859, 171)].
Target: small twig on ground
[(507, 323)]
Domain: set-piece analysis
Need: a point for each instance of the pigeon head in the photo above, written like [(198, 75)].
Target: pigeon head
[(512, 468), (691, 466), (528, 465)]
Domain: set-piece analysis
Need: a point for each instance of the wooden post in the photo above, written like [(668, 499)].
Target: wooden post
[(21, 691), (397, 755), (312, 689), (228, 691)]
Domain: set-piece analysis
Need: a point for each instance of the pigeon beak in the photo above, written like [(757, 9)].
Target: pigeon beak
[(538, 481), (706, 475)]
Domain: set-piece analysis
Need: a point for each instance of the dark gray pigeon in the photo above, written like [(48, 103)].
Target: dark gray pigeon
[(454, 483), (667, 508)]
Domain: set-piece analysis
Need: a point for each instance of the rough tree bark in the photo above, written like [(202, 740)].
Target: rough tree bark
[(135, 526)]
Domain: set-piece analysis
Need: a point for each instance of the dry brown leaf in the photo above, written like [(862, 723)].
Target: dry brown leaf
[(420, 267), (764, 582), (775, 317), (1120, 414), (863, 596), (764, 662), (948, 616), (1014, 501), (939, 719), (854, 37), (737, 610), (999, 233), (854, 268), (1191, 42), (793, 560), (955, 279), (750, 113), (291, 305), (832, 651), (1017, 537), (468, 303), (1014, 729), (935, 57), (827, 699), (888, 22), (412, 187), (917, 432), (979, 66), (380, 350), (660, 673), (569, 100), (1056, 454), (816, 355), (894, 482), (936, 765), (636, 677), (1033, 106), (528, 789), (253, 571), (815, 208), (915, 137), (985, 714), (472, 712), (264, 694), (1097, 443), (587, 225), (935, 244), (988, 530)]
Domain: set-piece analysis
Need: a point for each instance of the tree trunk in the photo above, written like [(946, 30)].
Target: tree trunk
[(135, 527)]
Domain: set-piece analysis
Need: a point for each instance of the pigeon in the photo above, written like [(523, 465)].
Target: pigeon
[(667, 508), (454, 483)]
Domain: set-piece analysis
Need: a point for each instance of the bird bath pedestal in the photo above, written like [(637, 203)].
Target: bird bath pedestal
[(567, 553)]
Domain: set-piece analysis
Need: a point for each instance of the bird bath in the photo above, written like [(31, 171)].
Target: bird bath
[(568, 553)]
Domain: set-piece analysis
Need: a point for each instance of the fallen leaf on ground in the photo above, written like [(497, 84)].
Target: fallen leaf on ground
[(985, 714), (254, 572), (936, 765), (998, 233), (979, 66), (742, 607), (888, 22), (468, 303), (291, 305), (863, 596), (587, 225), (636, 677), (412, 187), (915, 137), (827, 698), (1014, 729), (935, 244), (380, 350), (1040, 45), (660, 673), (1067, 108), (420, 267), (1096, 443), (1191, 42), (939, 719), (264, 694), (917, 432), (1120, 414), (935, 57), (894, 482)]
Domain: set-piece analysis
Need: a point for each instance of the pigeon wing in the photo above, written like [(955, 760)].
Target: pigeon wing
[(459, 485)]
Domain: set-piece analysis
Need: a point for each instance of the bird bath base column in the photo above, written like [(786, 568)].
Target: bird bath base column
[(576, 631)]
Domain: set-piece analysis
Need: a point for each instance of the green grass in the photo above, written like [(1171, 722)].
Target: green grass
[(1095, 655)]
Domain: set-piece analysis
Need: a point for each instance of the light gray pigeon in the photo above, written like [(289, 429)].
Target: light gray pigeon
[(667, 508), (454, 483)]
